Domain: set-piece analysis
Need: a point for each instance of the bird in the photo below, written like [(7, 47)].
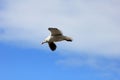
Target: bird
[(55, 36)]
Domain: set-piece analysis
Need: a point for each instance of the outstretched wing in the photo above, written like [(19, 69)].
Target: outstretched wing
[(55, 31), (52, 46)]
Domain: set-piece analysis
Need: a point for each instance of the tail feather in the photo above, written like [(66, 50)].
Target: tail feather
[(68, 38)]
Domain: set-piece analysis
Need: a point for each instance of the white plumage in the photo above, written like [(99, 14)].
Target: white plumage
[(56, 36)]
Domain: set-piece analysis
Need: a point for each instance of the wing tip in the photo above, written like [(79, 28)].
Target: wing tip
[(52, 46), (51, 28)]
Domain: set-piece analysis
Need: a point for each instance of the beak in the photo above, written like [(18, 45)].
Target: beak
[(42, 42)]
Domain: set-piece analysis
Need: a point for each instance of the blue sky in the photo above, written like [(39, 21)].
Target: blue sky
[(93, 54)]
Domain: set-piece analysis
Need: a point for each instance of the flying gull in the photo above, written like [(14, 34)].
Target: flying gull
[(56, 36)]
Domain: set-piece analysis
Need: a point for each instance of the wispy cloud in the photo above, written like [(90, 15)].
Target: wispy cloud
[(94, 25), (1, 31), (107, 67)]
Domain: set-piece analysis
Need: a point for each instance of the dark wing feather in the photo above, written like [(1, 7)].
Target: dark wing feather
[(55, 31), (52, 46)]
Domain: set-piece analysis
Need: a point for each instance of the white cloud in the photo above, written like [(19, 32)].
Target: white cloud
[(105, 66), (94, 25)]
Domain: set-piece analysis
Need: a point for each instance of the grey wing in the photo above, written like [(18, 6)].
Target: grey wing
[(52, 46), (55, 31)]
